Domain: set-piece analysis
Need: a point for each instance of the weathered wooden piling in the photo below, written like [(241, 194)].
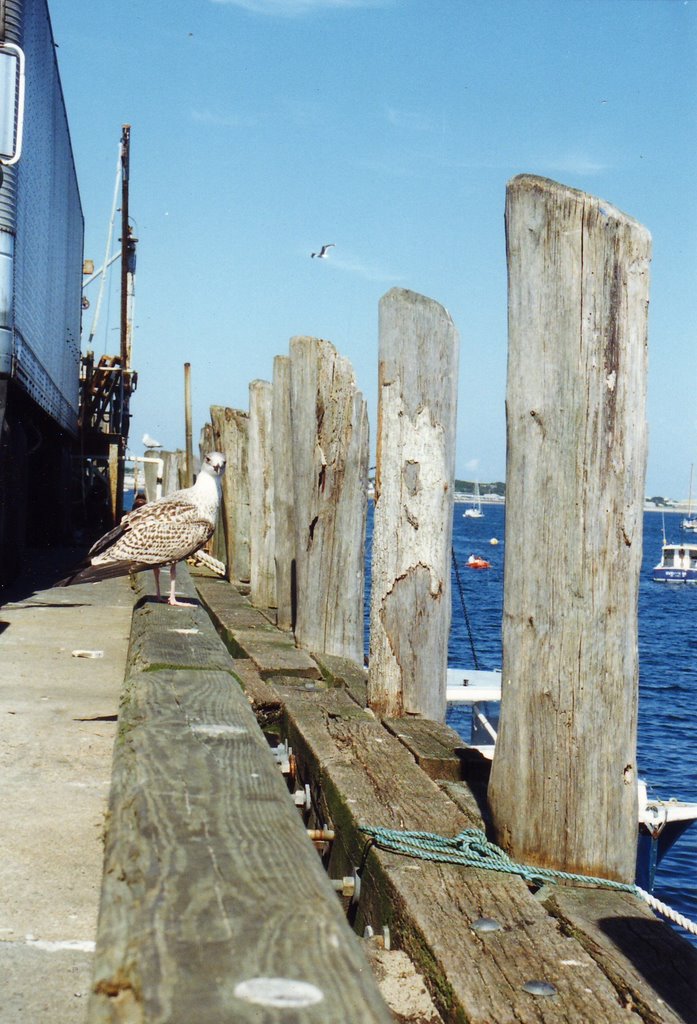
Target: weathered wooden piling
[(563, 786), (330, 477), (410, 587), (231, 433), (216, 546), (261, 518), (172, 471), (283, 498), (152, 473)]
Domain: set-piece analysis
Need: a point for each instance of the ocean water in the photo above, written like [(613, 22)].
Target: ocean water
[(667, 734)]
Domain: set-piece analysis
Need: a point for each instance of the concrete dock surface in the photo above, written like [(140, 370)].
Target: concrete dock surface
[(58, 715)]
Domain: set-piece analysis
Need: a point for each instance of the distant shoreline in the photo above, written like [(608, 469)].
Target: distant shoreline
[(675, 508)]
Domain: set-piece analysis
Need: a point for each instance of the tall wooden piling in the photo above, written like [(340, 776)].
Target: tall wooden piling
[(261, 518), (330, 470), (283, 499), (563, 786), (231, 434), (414, 482)]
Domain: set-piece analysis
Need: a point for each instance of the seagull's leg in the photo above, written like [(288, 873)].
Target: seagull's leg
[(173, 583), (156, 574), (172, 588)]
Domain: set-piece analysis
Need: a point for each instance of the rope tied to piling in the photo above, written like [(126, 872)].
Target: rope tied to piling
[(471, 848)]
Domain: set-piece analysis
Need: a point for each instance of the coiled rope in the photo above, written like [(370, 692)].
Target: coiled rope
[(203, 558), (471, 848)]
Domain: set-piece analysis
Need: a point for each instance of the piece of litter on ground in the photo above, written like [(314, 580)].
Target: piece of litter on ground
[(184, 632), (88, 654)]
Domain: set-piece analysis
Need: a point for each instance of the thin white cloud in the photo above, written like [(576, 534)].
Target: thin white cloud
[(402, 167), (295, 8), (352, 265), (218, 120), (412, 120), (573, 163), (472, 465), (303, 112), (535, 163)]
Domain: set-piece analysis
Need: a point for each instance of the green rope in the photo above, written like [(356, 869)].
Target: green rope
[(472, 849)]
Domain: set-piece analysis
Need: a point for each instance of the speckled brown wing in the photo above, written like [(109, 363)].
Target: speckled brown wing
[(155, 534)]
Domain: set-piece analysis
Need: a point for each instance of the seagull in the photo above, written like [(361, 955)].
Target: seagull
[(150, 443), (163, 532), (322, 254)]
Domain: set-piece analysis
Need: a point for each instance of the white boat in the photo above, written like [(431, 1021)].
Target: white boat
[(678, 563), (475, 509), (660, 822)]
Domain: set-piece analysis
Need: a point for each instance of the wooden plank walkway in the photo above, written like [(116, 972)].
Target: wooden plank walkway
[(215, 905), (363, 772)]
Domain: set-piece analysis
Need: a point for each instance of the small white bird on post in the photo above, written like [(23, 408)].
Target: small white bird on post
[(150, 443), (323, 254), (162, 532)]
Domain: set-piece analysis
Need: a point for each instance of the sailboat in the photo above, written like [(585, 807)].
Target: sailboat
[(690, 521), (475, 509)]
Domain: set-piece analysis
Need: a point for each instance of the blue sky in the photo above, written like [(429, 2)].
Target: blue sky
[(263, 128)]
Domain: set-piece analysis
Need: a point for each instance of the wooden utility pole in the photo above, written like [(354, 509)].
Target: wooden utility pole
[(330, 477), (412, 531), (117, 449), (125, 234), (188, 428), (563, 789)]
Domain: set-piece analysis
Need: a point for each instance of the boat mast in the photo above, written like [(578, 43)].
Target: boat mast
[(689, 496)]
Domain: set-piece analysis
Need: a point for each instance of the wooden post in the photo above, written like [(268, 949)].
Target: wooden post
[(330, 471), (114, 482), (563, 786), (231, 434), (261, 533), (412, 531), (283, 500), (172, 466), (151, 474), (216, 546)]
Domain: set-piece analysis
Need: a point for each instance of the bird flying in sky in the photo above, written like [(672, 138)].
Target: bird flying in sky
[(162, 532), (322, 254)]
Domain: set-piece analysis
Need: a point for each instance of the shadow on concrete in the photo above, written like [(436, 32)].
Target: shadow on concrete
[(42, 568)]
